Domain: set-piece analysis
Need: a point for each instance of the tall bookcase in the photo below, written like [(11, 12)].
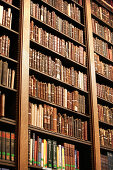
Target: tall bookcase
[(9, 79), (102, 25), (52, 102)]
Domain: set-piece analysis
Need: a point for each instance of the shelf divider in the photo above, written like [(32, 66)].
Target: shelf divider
[(93, 90), (23, 85)]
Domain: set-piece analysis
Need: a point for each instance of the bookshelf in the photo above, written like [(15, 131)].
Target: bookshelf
[(50, 98), (9, 67), (102, 33), (42, 55)]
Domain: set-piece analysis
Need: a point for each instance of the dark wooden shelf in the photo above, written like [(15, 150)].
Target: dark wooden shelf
[(59, 55), (105, 78), (104, 100), (106, 59), (58, 135), (106, 148), (63, 14), (35, 167), (57, 80), (60, 107), (8, 29), (7, 88), (104, 123), (8, 58), (7, 121), (7, 163), (102, 38), (58, 32), (10, 5), (103, 22)]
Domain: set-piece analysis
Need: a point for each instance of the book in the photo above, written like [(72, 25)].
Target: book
[(8, 140), (12, 146), (2, 104)]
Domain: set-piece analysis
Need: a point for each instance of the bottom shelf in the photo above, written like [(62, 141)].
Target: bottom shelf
[(7, 163)]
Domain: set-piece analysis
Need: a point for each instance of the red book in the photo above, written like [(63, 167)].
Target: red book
[(77, 159), (12, 146), (35, 154)]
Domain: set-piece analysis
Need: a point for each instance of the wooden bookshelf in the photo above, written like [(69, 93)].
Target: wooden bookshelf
[(105, 148), (17, 99)]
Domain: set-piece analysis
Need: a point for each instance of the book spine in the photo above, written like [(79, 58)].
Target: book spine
[(8, 146), (12, 146), (3, 145)]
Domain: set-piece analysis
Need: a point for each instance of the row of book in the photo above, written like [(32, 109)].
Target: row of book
[(103, 68), (55, 68), (72, 32), (102, 31), (106, 137), (5, 16), (7, 75), (57, 94), (107, 161), (102, 48), (105, 114), (68, 8), (51, 18), (48, 153), (4, 45), (2, 104), (47, 117), (60, 46), (105, 92), (102, 13), (7, 145)]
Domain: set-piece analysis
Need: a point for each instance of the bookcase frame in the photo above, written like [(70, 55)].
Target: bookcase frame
[(23, 88)]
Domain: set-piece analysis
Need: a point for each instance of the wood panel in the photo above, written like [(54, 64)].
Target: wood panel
[(93, 91), (23, 86)]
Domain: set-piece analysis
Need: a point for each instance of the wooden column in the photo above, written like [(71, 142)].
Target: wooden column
[(23, 85), (93, 90)]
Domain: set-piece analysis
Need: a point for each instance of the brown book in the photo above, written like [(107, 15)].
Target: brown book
[(3, 145), (0, 71), (2, 104), (12, 78), (7, 146), (4, 73), (54, 119), (45, 116)]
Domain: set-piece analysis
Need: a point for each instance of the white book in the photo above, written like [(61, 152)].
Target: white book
[(69, 9), (65, 90), (60, 156), (37, 117), (42, 154), (32, 113), (31, 149), (42, 113), (35, 114), (1, 14)]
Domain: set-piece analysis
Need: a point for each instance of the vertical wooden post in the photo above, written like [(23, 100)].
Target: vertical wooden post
[(93, 90), (23, 85)]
